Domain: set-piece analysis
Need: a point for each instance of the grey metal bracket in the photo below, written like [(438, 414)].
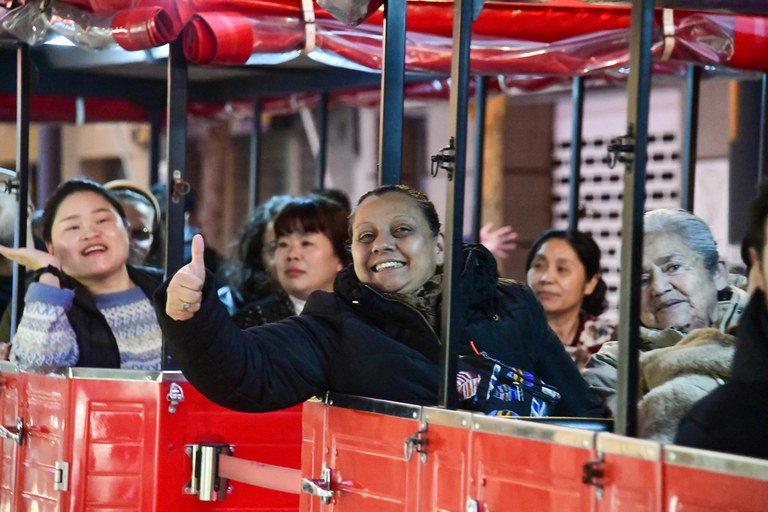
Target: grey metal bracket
[(320, 487), (205, 481), (417, 443)]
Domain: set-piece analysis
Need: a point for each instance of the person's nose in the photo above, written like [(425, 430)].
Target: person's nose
[(90, 230), (659, 282), (546, 275), (294, 252), (384, 242)]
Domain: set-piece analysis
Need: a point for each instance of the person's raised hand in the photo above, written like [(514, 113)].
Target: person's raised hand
[(185, 291), (500, 242), (30, 257)]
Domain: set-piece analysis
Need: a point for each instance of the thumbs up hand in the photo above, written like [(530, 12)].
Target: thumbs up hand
[(185, 289)]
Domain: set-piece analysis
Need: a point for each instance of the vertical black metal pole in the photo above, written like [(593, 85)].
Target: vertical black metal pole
[(577, 123), (392, 83), (255, 154), (155, 127), (481, 98), (322, 149), (23, 92), (177, 147), (763, 155), (638, 91), (690, 134), (454, 222)]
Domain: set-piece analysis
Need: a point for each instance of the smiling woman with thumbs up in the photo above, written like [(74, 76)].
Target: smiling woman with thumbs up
[(88, 307), (375, 335)]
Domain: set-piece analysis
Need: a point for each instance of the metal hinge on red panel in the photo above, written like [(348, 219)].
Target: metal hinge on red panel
[(417, 443), (319, 486), (593, 473), (61, 476)]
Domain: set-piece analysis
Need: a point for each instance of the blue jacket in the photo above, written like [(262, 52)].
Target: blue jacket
[(358, 341)]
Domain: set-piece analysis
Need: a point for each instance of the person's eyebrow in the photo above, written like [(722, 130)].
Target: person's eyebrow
[(77, 215)]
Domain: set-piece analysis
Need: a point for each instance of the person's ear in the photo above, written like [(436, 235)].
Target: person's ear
[(720, 276), (440, 249), (49, 248), (756, 276), (589, 288)]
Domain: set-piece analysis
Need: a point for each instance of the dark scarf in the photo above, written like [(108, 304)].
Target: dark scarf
[(426, 300)]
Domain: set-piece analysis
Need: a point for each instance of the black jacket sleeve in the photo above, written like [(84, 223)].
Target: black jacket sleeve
[(256, 370)]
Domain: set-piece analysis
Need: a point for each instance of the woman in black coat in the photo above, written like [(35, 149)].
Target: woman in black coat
[(376, 334)]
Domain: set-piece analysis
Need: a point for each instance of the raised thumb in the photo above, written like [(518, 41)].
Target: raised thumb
[(198, 250)]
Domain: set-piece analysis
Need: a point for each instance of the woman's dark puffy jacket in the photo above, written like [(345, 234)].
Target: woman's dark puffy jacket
[(358, 341)]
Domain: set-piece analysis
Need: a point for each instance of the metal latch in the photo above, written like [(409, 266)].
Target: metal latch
[(205, 481), (15, 434), (175, 396), (445, 160), (319, 486), (61, 476), (593, 473), (417, 442)]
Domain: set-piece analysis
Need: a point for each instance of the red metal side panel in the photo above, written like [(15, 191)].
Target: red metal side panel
[(704, 481), (520, 465), (313, 451), (444, 476), (272, 438), (113, 445), (11, 400), (370, 472), (633, 474), (46, 410)]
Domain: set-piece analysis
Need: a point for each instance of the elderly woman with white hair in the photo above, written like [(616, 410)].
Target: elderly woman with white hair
[(687, 308)]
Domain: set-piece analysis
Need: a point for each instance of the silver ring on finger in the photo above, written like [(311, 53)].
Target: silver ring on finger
[(185, 306)]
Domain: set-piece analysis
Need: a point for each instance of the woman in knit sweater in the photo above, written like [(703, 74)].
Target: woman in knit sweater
[(88, 307)]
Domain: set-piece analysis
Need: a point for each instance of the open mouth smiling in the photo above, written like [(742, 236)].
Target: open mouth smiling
[(94, 248), (387, 264)]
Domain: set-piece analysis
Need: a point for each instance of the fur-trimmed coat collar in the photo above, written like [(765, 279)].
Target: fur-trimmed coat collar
[(676, 377)]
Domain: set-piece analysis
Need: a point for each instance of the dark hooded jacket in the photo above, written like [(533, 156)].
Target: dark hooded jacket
[(362, 342), (733, 418)]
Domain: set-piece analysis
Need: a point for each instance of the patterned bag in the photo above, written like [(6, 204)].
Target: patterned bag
[(494, 388)]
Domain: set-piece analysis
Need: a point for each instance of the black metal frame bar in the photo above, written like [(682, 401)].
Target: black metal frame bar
[(763, 156), (321, 161), (463, 13), (638, 93), (392, 83), (177, 157), (690, 135), (23, 93), (577, 123), (155, 130), (481, 100), (255, 157)]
